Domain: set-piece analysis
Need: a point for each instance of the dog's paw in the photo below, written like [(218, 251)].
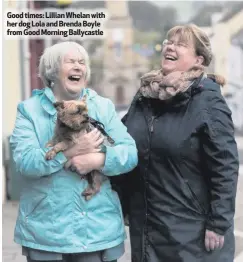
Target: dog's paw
[(50, 155), (88, 197), (88, 193)]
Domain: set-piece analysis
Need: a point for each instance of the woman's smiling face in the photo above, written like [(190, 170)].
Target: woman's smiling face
[(179, 55), (72, 73)]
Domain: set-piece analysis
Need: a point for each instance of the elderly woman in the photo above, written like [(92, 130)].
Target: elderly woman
[(55, 222), (181, 197)]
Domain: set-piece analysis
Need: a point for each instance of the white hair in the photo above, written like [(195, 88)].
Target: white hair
[(51, 59)]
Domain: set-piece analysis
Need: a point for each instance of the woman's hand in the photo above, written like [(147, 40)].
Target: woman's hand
[(84, 164), (213, 240), (88, 143)]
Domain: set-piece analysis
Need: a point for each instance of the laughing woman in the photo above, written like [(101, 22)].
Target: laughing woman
[(181, 197), (55, 222)]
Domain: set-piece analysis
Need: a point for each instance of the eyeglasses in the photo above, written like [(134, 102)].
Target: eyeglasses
[(167, 42)]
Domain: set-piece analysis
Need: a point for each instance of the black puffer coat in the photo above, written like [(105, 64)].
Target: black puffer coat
[(186, 178)]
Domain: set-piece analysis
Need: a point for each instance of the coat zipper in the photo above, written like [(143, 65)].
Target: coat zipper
[(152, 125), (151, 130)]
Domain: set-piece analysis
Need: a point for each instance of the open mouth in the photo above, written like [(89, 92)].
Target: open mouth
[(170, 58), (74, 78)]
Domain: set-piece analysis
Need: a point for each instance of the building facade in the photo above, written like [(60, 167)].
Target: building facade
[(224, 26), (122, 67)]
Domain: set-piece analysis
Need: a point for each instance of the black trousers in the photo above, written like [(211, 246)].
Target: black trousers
[(82, 257)]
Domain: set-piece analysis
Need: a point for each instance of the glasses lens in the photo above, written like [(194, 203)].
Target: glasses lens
[(165, 42)]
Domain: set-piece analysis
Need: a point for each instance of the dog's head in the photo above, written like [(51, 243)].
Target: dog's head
[(73, 113)]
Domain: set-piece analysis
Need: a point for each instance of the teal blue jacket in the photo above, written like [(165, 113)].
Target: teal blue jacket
[(53, 216)]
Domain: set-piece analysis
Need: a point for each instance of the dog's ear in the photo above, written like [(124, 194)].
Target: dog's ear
[(59, 104), (84, 98)]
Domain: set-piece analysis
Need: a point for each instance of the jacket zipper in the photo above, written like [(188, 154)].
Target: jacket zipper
[(152, 125), (151, 130)]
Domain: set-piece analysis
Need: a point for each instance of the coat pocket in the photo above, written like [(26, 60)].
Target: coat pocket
[(193, 197), (29, 206)]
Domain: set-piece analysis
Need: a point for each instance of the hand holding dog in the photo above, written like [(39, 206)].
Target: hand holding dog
[(213, 240), (88, 143), (84, 164)]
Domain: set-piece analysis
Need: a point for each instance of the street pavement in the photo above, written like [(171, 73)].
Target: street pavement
[(11, 252)]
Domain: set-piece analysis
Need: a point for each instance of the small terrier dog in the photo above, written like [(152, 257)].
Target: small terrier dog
[(73, 121)]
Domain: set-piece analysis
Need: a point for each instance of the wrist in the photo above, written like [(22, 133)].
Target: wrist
[(68, 153), (101, 161)]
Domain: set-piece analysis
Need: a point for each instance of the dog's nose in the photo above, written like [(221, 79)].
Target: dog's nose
[(86, 115)]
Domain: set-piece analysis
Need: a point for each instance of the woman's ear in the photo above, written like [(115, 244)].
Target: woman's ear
[(199, 60)]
